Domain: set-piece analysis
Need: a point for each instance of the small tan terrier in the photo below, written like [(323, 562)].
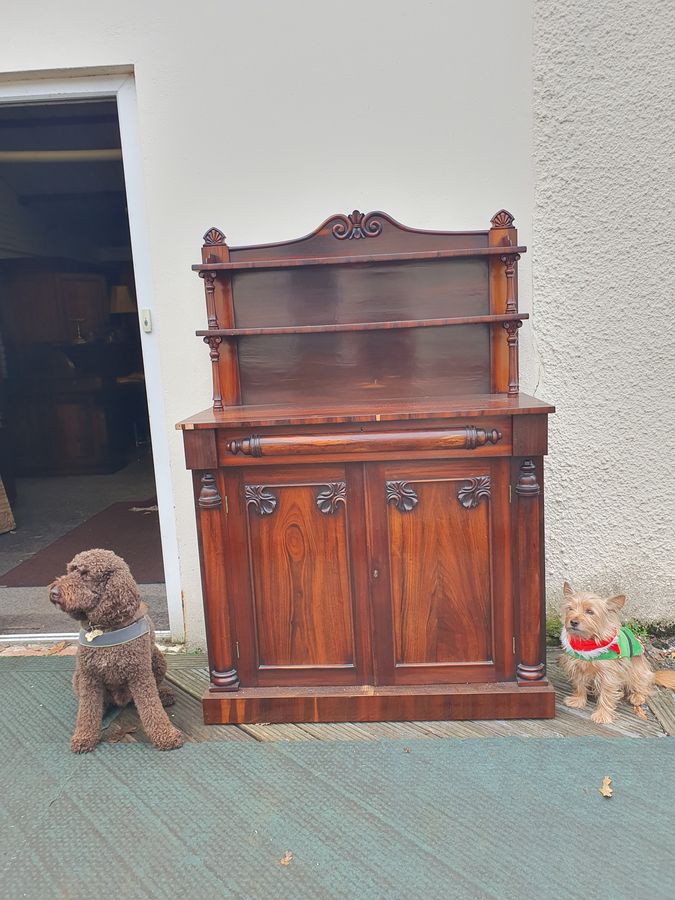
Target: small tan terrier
[(604, 656)]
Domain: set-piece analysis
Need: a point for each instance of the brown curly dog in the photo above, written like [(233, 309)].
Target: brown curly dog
[(117, 659)]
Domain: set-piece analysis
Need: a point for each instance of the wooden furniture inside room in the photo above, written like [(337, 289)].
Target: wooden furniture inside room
[(65, 410), (369, 480)]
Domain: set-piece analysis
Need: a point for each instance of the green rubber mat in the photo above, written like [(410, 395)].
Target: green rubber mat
[(495, 817)]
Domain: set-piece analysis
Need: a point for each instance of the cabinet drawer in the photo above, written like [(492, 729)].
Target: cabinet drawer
[(491, 438)]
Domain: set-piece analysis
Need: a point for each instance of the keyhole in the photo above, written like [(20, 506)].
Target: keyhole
[(376, 573)]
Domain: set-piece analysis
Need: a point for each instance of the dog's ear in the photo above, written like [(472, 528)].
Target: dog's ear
[(567, 590), (119, 600), (616, 603)]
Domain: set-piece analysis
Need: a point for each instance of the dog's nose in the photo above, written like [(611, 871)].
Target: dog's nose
[(574, 622), (55, 596)]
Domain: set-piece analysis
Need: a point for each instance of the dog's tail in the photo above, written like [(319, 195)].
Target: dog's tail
[(666, 678)]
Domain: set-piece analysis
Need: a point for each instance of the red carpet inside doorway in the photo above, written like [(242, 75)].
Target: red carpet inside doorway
[(130, 529)]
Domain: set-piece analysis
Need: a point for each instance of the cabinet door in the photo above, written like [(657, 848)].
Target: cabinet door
[(440, 571), (301, 612)]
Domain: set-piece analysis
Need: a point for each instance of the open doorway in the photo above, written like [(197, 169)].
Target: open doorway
[(76, 458)]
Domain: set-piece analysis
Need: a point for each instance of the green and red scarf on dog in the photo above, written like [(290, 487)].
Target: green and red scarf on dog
[(622, 644)]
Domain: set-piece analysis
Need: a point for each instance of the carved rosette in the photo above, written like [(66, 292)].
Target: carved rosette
[(249, 446), (502, 219), (402, 495), (209, 498), (328, 499), (214, 237), (527, 485), (263, 501), (356, 225), (473, 491)]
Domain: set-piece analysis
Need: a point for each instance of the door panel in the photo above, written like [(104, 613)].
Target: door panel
[(306, 621), (439, 593), (441, 605)]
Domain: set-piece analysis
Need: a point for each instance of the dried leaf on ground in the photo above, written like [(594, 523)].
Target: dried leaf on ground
[(286, 858), (639, 711), (57, 648), (121, 732), (605, 788), (406, 749)]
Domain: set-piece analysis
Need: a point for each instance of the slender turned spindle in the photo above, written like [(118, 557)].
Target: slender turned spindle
[(214, 343), (510, 261), (210, 289), (511, 329)]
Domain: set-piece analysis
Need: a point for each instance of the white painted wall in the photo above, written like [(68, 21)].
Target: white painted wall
[(604, 271), (265, 117)]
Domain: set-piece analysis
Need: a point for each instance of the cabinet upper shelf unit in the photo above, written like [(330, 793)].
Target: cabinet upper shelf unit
[(365, 306)]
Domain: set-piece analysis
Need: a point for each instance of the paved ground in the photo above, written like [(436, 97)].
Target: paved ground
[(48, 508), (499, 817)]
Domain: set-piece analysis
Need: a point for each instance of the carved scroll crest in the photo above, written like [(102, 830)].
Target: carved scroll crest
[(356, 225)]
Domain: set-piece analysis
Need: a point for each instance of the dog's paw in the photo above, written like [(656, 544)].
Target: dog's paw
[(576, 702), (168, 740), (79, 744), (167, 697), (602, 717)]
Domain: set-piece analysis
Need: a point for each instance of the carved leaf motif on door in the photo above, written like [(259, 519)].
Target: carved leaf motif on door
[(473, 491), (402, 494), (333, 493), (263, 501)]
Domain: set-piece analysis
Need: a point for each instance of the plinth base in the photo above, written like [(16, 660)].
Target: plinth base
[(365, 703)]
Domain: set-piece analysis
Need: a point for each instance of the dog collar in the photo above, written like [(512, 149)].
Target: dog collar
[(94, 637), (622, 644)]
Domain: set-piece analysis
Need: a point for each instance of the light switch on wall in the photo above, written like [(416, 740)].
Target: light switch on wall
[(146, 320)]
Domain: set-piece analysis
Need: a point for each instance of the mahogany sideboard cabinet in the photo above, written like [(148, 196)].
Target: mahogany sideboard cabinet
[(368, 482)]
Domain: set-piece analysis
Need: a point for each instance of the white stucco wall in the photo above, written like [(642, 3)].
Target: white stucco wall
[(604, 79), (264, 117)]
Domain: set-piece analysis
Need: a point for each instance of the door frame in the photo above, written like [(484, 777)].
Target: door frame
[(117, 83)]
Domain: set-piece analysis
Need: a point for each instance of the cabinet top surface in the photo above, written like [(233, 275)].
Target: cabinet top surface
[(367, 411)]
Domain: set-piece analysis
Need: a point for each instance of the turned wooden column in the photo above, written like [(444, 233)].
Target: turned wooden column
[(529, 534), (503, 295), (220, 314), (211, 532)]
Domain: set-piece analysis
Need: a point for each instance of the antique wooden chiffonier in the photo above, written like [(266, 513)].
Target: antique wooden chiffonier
[(368, 483)]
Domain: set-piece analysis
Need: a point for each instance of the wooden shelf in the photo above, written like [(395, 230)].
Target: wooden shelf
[(246, 265), (363, 326)]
